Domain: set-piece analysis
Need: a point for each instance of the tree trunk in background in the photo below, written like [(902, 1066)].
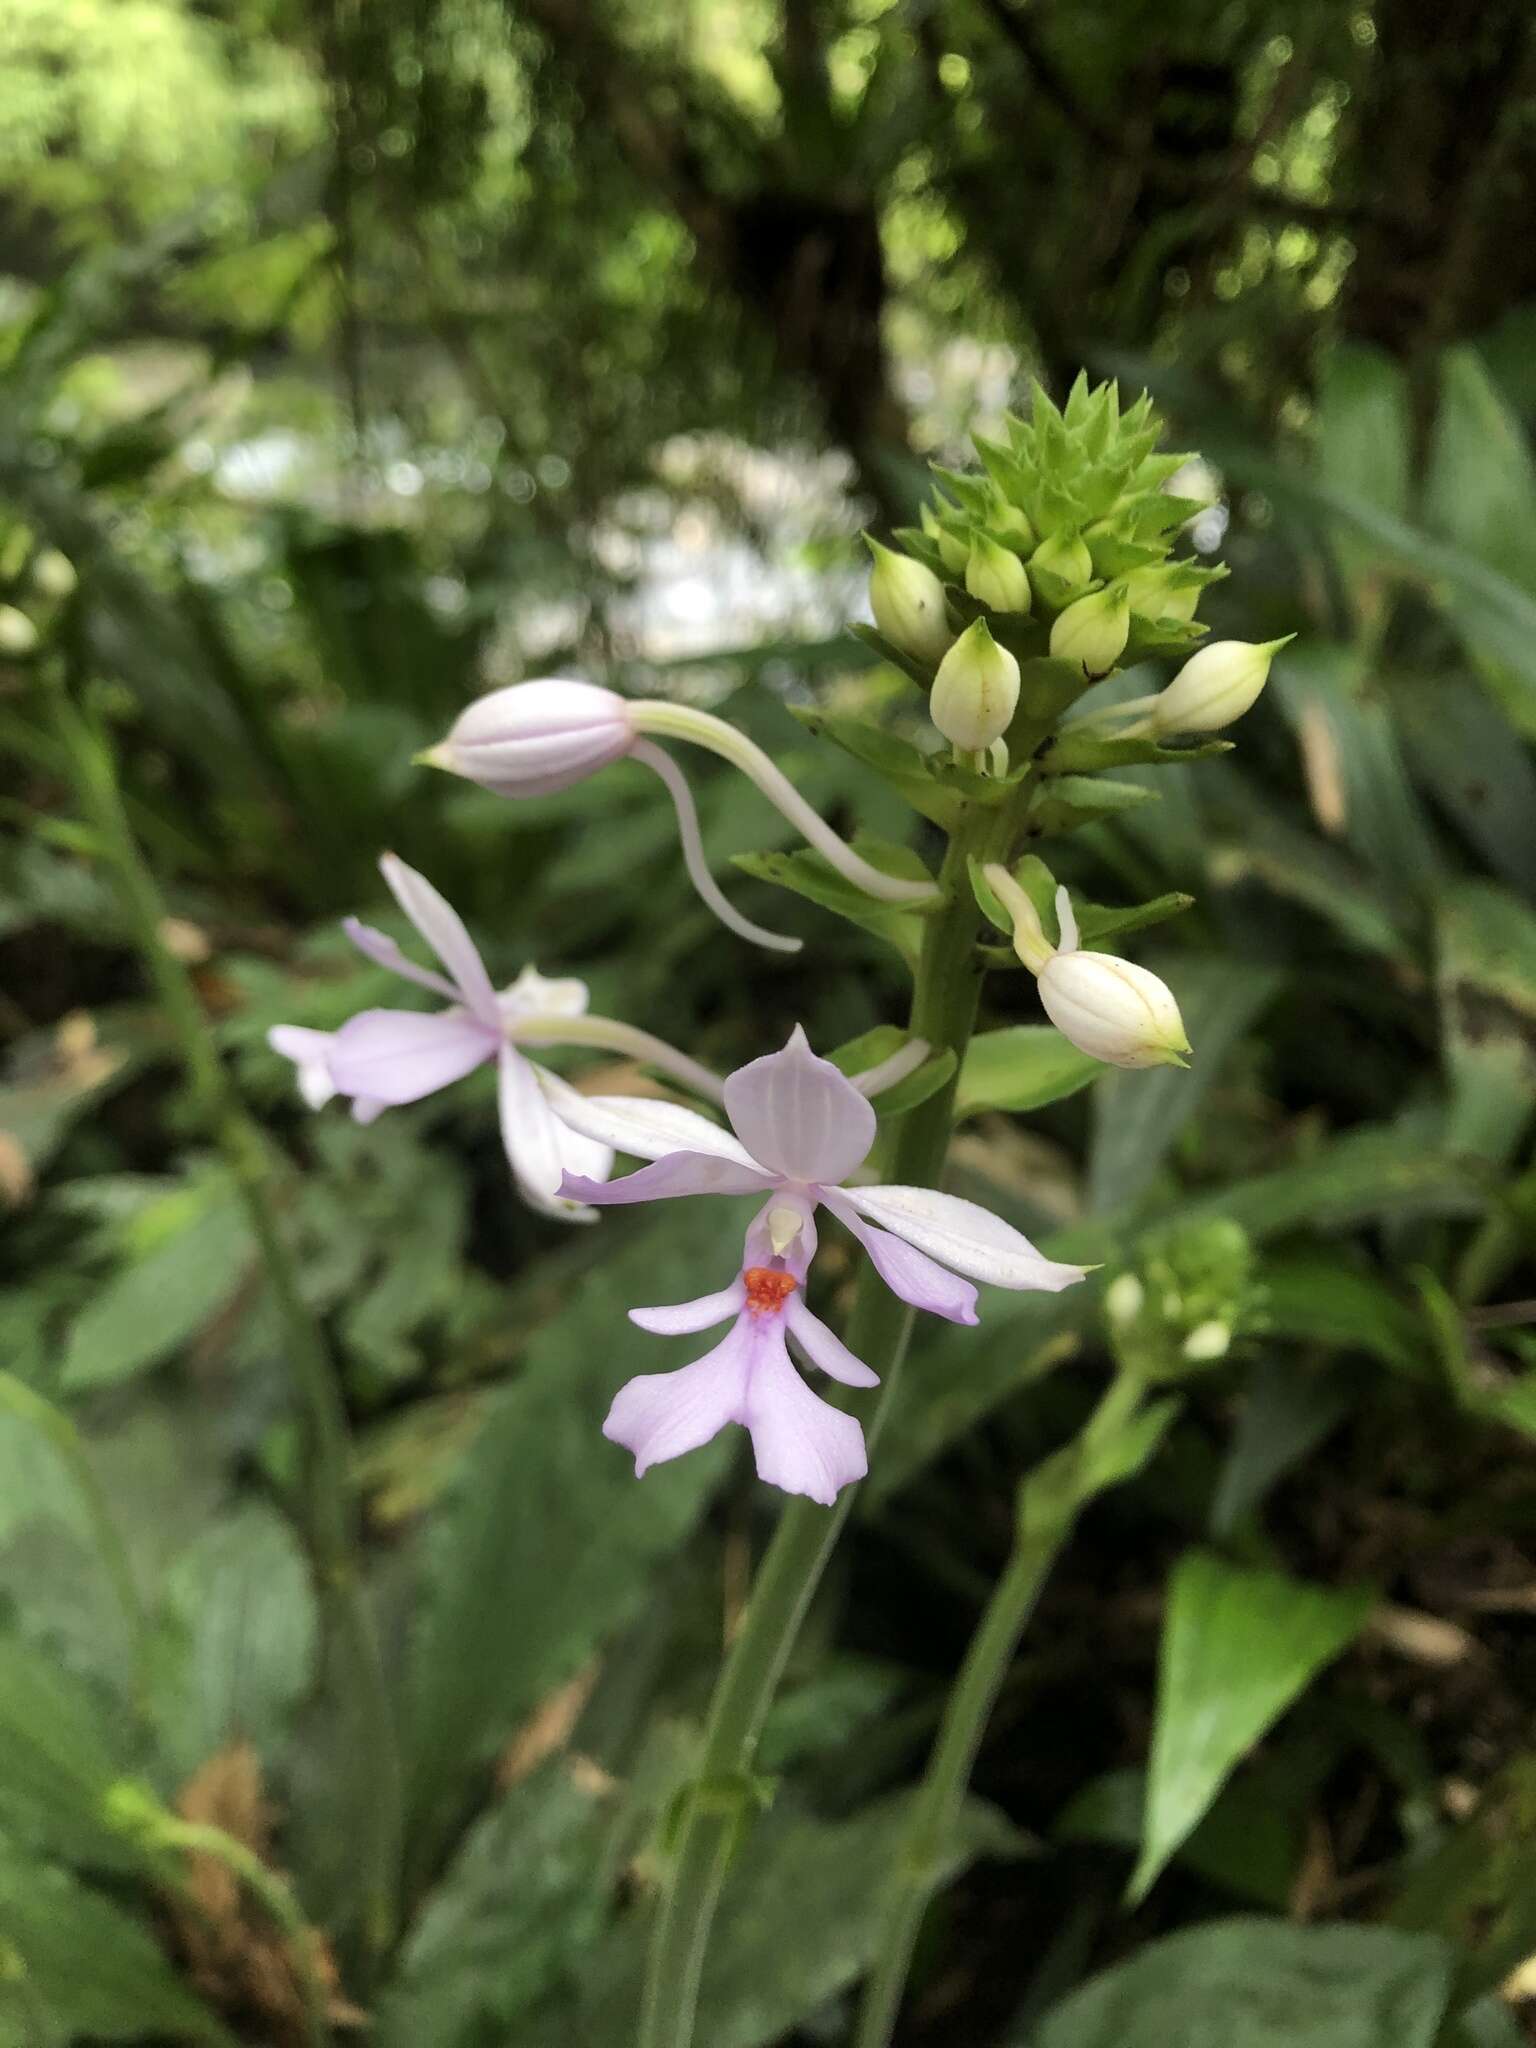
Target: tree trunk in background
[(1446, 145)]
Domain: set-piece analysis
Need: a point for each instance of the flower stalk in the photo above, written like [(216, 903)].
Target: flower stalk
[(944, 1007)]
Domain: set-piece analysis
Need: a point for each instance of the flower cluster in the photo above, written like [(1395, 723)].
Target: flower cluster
[(1022, 589)]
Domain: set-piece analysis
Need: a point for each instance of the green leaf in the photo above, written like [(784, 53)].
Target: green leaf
[(1286, 1414), (883, 1043), (1248, 1844), (1488, 996), (1064, 802), (198, 1251), (90, 1969), (895, 760), (239, 1633), (1138, 1116), (1323, 1297), (807, 874), (1364, 442), (1022, 1066), (1097, 922), (1079, 751), (1251, 1983), (1365, 1174), (1238, 1648), (60, 1757), (1458, 745), (483, 1950), (1481, 487), (547, 1543)]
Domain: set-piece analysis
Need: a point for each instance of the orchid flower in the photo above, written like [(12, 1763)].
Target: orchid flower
[(381, 1058), (802, 1130)]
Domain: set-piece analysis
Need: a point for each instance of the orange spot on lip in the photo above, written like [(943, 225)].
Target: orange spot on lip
[(768, 1289)]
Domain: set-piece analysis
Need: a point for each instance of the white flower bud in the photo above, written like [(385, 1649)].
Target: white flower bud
[(1013, 524), (18, 635), (1214, 687), (531, 739), (975, 691), (1207, 1342), (1093, 631), (953, 547), (1153, 594), (908, 604), (53, 573), (1066, 556), (995, 577), (1113, 1010), (1124, 1298)]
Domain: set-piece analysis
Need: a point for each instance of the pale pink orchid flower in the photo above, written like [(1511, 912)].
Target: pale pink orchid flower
[(801, 1131), (382, 1058)]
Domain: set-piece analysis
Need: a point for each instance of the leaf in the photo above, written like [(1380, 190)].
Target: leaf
[(199, 1252), (239, 1632), (1322, 1296), (1481, 487), (1238, 1648), (1248, 1844), (807, 874), (1138, 1116), (1252, 1983), (1022, 1066), (90, 1968), (1487, 978), (1099, 921), (883, 1043), (1363, 448), (895, 760), (1381, 1170), (1459, 749), (483, 1950), (547, 1542), (60, 1758), (1063, 802), (1286, 1414)]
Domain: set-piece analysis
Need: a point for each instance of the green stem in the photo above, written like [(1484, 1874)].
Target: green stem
[(944, 1012), (194, 1838), (326, 1508), (936, 1805)]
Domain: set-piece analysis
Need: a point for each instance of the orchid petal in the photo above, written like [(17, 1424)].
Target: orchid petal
[(800, 1442), (366, 1111), (688, 1316), (910, 1274), (824, 1348), (443, 929), (401, 1055), (310, 1052), (798, 1115), (680, 1173), (381, 949), (535, 994), (661, 1415), (964, 1235), (532, 1137), (642, 1127)]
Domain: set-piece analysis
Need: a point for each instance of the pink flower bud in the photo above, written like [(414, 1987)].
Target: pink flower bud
[(531, 739)]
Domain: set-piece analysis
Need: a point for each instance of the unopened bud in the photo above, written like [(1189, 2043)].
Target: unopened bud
[(1214, 687), (954, 547), (995, 577), (1113, 1010), (18, 635), (53, 573), (1065, 556), (1154, 593), (1093, 631), (908, 604), (975, 691), (531, 739), (1207, 1342), (1012, 524)]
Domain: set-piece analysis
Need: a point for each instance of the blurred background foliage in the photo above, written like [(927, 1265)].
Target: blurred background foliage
[(362, 354)]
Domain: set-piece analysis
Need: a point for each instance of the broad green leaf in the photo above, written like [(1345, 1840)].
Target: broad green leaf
[(1459, 748), (92, 1970), (1238, 1648), (1376, 1171), (895, 760), (1251, 1983), (1326, 1297), (1249, 1844), (872, 1048), (1138, 1116), (198, 1250), (513, 1916), (1286, 1414), (547, 1542), (1487, 974), (1022, 1066), (1364, 443), (807, 874), (1481, 488), (238, 1639), (61, 1753)]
